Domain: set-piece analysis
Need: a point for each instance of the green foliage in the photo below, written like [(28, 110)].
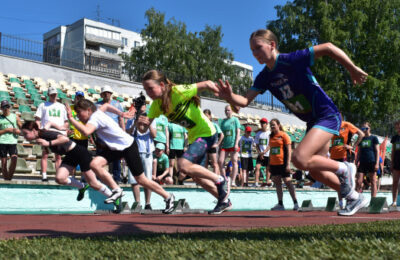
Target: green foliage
[(369, 32), (374, 240), (184, 56)]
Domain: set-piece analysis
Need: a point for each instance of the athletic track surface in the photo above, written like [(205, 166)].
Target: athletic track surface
[(20, 226)]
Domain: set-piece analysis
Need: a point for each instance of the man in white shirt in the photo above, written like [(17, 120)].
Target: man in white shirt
[(262, 142), (51, 114)]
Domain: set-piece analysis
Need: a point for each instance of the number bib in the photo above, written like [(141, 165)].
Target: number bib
[(275, 150), (338, 142)]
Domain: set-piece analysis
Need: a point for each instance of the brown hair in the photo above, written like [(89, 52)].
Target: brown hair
[(266, 35), (207, 111), (159, 77), (30, 125), (367, 124), (279, 125), (85, 104)]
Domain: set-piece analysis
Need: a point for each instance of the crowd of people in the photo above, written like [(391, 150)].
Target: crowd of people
[(174, 139)]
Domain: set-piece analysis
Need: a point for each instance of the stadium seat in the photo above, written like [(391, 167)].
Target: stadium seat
[(98, 89), (120, 99), (52, 82), (17, 89), (22, 101), (15, 84), (11, 75), (24, 77), (86, 86), (3, 88), (22, 166), (24, 108), (21, 151), (20, 95), (75, 85), (28, 116), (50, 166), (4, 94), (92, 91), (63, 83)]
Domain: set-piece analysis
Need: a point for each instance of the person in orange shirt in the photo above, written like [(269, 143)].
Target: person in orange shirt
[(279, 161), (341, 143)]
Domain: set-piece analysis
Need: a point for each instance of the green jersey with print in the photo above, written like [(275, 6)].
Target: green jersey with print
[(161, 125), (162, 163), (185, 112), (177, 136), (8, 138), (229, 127)]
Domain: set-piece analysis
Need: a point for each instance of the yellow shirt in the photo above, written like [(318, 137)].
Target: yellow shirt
[(77, 135)]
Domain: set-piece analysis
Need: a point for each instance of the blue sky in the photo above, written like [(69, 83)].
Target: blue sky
[(238, 18)]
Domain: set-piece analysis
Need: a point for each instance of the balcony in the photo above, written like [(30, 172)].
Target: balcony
[(102, 40)]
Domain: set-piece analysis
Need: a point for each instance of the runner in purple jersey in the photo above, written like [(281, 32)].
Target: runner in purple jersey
[(289, 78)]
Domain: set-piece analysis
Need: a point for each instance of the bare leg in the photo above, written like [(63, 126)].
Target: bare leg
[(234, 158), (43, 162), (214, 163), (374, 190), (289, 185), (151, 185), (395, 185), (207, 185), (97, 165), (136, 192), (147, 195), (257, 173), (4, 169), (278, 185), (360, 180), (13, 165), (221, 162), (58, 161), (195, 170)]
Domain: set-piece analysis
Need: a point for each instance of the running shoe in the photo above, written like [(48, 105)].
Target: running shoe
[(81, 193), (347, 180), (169, 204), (221, 207), (278, 207), (223, 189), (296, 207), (116, 194), (148, 207), (352, 206), (118, 206), (256, 185)]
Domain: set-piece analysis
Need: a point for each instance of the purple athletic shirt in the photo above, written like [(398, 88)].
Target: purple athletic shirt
[(292, 82)]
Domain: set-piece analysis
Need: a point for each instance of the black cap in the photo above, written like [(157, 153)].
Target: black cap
[(4, 103)]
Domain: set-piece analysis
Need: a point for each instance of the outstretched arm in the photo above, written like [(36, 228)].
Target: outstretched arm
[(358, 76), (236, 101), (110, 108)]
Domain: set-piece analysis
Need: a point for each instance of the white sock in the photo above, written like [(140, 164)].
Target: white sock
[(342, 168), (353, 195), (220, 179), (44, 175), (71, 181), (105, 190)]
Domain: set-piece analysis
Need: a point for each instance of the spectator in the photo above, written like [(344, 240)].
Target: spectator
[(368, 157), (262, 141), (395, 162), (281, 152), (229, 166), (54, 113), (246, 144), (9, 131), (177, 142), (143, 132), (230, 126), (161, 166), (212, 151), (76, 136), (162, 132), (106, 93)]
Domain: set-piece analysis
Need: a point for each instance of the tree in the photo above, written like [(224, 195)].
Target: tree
[(369, 32), (184, 56)]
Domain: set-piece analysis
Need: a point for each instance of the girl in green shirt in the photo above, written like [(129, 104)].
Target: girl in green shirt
[(181, 105)]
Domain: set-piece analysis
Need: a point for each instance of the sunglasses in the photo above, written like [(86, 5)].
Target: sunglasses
[(5, 107), (364, 128)]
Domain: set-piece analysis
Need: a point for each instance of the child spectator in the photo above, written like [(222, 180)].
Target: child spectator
[(246, 143), (161, 166)]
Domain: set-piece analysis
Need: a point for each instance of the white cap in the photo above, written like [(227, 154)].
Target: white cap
[(106, 88), (52, 90)]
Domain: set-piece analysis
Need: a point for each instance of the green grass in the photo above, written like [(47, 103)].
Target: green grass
[(375, 240)]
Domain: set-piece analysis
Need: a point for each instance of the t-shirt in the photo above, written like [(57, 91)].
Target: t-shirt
[(110, 132), (246, 144), (145, 142), (396, 147), (161, 125), (52, 112), (367, 149), (115, 104), (338, 141), (229, 127), (177, 136), (185, 112), (162, 163), (262, 140), (52, 135), (76, 135), (8, 138), (292, 82), (278, 144)]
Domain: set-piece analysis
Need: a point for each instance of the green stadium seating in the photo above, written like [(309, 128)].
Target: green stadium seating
[(92, 91), (14, 80), (36, 96), (37, 102), (24, 108), (120, 99), (50, 166), (20, 95), (21, 151), (28, 82), (21, 101), (17, 89), (28, 116), (22, 166), (4, 94)]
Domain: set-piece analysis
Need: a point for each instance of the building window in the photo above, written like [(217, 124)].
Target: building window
[(137, 44), (124, 41), (108, 50)]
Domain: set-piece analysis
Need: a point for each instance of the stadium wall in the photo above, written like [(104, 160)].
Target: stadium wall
[(46, 71)]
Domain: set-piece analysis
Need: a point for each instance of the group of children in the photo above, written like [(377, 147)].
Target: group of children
[(286, 75)]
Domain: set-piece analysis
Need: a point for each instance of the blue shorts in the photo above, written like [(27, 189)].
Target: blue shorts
[(330, 124), (196, 152)]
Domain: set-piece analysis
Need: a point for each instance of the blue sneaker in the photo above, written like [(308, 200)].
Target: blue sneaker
[(347, 180), (352, 206), (223, 190), (221, 207)]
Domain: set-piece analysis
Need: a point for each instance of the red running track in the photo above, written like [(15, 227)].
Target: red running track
[(19, 226)]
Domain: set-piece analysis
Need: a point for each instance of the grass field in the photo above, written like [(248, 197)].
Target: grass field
[(374, 240)]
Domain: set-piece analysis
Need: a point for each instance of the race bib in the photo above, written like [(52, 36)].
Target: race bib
[(229, 133), (263, 141), (178, 135), (338, 142), (366, 143), (275, 150), (298, 104)]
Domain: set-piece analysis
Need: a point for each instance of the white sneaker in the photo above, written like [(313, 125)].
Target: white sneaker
[(116, 194), (296, 207), (256, 185), (278, 207), (347, 180)]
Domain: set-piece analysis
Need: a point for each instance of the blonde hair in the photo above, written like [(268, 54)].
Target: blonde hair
[(159, 77), (266, 35)]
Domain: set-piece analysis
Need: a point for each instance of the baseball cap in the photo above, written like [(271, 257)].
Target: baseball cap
[(4, 103), (264, 120), (160, 146), (52, 90), (106, 88), (248, 129), (79, 93)]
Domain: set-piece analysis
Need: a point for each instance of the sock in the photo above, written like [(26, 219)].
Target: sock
[(280, 203), (342, 168), (71, 181), (44, 175), (220, 179), (105, 190), (353, 195)]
